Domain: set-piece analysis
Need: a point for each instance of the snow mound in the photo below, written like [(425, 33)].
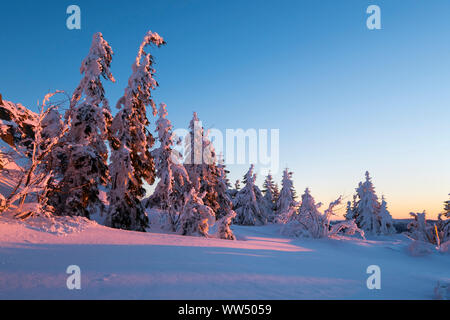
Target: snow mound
[(59, 226)]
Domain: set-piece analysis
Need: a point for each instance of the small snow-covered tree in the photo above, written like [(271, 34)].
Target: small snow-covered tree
[(386, 224), (223, 230), (249, 203), (286, 199), (225, 214), (131, 160), (349, 213), (196, 217), (426, 234), (309, 222), (84, 148), (420, 229)]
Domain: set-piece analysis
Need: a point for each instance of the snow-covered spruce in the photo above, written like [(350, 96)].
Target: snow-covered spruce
[(131, 160), (385, 221), (173, 177), (84, 149), (201, 163), (369, 214), (270, 195), (249, 203), (196, 217), (349, 214), (286, 199), (309, 222)]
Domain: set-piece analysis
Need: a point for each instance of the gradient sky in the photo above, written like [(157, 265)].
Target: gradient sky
[(346, 99)]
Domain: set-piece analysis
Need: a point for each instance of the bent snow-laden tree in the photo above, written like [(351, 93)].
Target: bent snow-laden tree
[(226, 214), (437, 233), (196, 217), (310, 223), (249, 204), (84, 169), (35, 180), (224, 226), (173, 177), (131, 160)]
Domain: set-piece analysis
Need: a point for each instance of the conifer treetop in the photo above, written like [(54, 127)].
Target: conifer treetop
[(96, 64)]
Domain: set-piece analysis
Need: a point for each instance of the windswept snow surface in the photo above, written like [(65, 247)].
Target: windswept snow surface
[(261, 264)]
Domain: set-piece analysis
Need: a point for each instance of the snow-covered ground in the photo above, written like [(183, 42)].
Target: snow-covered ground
[(262, 264)]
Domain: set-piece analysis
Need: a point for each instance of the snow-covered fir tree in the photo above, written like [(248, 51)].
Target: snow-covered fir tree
[(173, 177), (369, 214), (84, 152), (286, 199), (386, 224), (367, 206), (249, 203), (270, 194), (131, 160), (196, 217), (308, 208), (349, 214), (201, 163)]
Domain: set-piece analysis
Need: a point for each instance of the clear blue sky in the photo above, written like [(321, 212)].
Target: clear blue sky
[(345, 98)]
